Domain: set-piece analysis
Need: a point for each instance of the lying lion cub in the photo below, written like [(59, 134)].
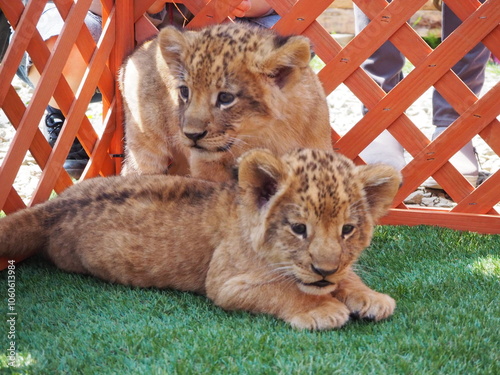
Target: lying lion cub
[(200, 99), (281, 240)]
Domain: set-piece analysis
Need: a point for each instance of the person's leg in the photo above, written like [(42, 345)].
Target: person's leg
[(385, 67), (471, 70)]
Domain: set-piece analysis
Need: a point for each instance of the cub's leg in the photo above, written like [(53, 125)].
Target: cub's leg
[(282, 299), (363, 301), (151, 155), (331, 313)]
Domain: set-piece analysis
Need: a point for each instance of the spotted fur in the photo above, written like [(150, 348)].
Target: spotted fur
[(203, 98), (281, 240)]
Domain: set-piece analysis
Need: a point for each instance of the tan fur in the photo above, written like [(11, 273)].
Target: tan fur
[(179, 83), (281, 240)]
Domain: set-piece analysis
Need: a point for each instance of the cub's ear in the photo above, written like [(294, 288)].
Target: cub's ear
[(260, 174), (380, 183), (173, 43), (283, 55)]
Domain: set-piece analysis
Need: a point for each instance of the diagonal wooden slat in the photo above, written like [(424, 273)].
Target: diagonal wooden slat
[(215, 11), (368, 92), (453, 89), (13, 203), (43, 91), (417, 82), (482, 199), (60, 184), (300, 17), (404, 130), (13, 10), (14, 109), (39, 53), (86, 46), (139, 7), (99, 155), (464, 8), (144, 30), (86, 133), (383, 25), (437, 152), (74, 117)]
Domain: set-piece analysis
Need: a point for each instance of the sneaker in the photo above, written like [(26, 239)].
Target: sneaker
[(77, 158), (465, 161), (384, 149)]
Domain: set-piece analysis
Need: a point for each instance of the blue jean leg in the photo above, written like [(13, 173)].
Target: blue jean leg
[(470, 69), (386, 64), (264, 21)]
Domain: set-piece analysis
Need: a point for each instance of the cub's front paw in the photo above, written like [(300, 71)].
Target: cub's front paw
[(331, 314), (368, 304)]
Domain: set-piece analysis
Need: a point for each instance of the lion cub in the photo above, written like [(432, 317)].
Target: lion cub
[(199, 99), (281, 240)]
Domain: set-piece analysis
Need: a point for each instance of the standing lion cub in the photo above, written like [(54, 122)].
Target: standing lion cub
[(196, 100), (281, 240)]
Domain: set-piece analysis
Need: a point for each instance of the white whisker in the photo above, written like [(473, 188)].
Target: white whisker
[(279, 272)]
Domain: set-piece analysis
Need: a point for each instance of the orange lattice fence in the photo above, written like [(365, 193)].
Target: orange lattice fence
[(25, 118), (124, 25), (475, 209)]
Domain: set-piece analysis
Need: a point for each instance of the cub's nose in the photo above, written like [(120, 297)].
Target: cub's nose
[(196, 136), (323, 272)]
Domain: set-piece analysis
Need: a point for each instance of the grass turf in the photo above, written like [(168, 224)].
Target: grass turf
[(446, 283)]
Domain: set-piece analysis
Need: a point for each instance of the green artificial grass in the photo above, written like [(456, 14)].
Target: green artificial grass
[(446, 284)]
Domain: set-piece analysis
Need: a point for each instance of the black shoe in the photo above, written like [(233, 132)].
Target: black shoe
[(77, 158)]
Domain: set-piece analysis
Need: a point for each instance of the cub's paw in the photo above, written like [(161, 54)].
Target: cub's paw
[(331, 314), (368, 304)]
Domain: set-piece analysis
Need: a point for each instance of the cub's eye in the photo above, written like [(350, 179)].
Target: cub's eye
[(184, 92), (347, 230), (299, 229), (225, 98)]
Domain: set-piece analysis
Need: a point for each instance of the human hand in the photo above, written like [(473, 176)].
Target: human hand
[(241, 9), (252, 8)]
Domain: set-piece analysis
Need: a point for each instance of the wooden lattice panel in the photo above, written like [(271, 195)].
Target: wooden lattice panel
[(52, 83), (475, 209), (125, 25)]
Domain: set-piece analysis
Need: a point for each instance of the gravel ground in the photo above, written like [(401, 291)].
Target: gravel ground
[(345, 111)]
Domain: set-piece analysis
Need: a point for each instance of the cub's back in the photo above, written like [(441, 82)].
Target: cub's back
[(130, 229)]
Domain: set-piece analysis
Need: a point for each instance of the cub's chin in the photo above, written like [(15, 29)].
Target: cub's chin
[(207, 155), (318, 288)]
